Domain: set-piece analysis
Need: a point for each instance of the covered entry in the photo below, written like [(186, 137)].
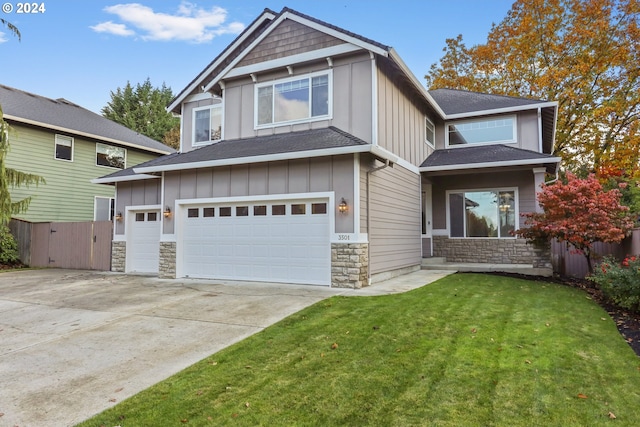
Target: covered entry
[(285, 240)]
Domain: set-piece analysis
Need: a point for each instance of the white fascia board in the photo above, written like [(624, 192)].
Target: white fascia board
[(256, 159), (84, 134), (293, 59), (196, 83), (524, 162), (423, 90), (502, 110), (127, 178)]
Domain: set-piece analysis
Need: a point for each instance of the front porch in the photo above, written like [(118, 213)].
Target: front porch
[(440, 263)]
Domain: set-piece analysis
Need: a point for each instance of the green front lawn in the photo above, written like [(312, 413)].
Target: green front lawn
[(467, 350)]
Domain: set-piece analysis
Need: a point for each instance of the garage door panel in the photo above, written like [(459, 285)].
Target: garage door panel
[(278, 248), (143, 242)]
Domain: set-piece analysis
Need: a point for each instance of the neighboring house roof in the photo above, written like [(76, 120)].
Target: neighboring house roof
[(64, 116), (483, 156), (308, 143)]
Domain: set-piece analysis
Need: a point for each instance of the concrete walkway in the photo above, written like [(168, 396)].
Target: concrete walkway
[(74, 343)]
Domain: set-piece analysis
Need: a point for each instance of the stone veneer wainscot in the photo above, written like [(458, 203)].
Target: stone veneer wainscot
[(491, 251), (167, 268)]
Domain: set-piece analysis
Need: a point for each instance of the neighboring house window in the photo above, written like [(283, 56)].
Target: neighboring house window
[(104, 208), (487, 131), (293, 100), (489, 213), (207, 124), (430, 132), (108, 155), (64, 148)]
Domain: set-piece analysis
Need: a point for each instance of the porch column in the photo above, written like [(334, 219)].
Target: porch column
[(538, 178)]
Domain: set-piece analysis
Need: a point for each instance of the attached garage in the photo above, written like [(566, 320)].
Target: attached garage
[(143, 241), (265, 240)]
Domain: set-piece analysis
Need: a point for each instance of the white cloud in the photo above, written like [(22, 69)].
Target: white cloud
[(112, 28), (3, 38), (189, 23)]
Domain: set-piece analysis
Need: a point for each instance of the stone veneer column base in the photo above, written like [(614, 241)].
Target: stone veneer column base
[(349, 265), (118, 256), (167, 267)]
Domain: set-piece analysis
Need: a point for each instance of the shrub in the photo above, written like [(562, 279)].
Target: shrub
[(620, 282), (8, 247)]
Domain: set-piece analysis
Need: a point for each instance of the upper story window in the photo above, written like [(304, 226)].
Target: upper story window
[(294, 99), (207, 124), (430, 132), (108, 155), (485, 131), (64, 148)]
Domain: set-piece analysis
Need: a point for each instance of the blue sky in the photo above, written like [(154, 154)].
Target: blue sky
[(82, 50)]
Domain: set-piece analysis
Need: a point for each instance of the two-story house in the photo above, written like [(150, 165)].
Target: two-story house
[(68, 146), (310, 154)]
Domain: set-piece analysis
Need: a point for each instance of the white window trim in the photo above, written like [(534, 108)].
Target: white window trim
[(426, 140), (70, 138), (110, 167), (477, 190), (514, 140), (309, 76), (194, 143)]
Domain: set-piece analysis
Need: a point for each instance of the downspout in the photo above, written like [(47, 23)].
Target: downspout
[(387, 163), (374, 103), (540, 130)]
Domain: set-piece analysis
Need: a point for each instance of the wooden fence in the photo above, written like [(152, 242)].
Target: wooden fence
[(567, 262), (76, 245)]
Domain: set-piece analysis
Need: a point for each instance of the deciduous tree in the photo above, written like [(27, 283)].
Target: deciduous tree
[(582, 53), (143, 109), (580, 212)]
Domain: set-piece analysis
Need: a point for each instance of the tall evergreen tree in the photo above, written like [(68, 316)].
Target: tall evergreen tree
[(143, 109)]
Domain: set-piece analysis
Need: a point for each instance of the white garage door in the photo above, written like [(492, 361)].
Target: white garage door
[(144, 242), (283, 241)]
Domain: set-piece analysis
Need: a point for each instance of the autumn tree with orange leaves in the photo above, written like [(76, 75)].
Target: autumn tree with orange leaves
[(585, 54)]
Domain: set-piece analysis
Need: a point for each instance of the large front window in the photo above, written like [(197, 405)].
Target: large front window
[(496, 131), (490, 213), (207, 124), (293, 100)]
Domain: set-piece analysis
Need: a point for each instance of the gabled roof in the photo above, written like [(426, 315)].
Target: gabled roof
[(248, 39), (64, 116), (324, 141), (483, 156)]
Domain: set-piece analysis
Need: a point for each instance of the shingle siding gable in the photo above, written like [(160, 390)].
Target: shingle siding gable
[(289, 38)]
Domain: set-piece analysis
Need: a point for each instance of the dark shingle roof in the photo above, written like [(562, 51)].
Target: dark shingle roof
[(484, 154), (308, 140), (63, 114), (453, 101)]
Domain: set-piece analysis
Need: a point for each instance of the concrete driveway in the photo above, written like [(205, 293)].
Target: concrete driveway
[(73, 343)]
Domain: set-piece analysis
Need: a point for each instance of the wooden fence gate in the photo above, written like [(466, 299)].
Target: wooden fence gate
[(75, 245)]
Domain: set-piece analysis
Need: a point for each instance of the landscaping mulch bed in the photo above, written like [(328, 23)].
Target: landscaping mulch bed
[(628, 323)]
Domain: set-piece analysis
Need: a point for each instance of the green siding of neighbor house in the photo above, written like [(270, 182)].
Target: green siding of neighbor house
[(68, 194)]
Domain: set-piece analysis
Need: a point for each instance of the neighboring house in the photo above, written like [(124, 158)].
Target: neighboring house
[(68, 146), (310, 154)]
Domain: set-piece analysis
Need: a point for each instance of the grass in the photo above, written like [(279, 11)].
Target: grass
[(467, 350)]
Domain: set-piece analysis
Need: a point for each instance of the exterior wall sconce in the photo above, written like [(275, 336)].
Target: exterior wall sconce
[(343, 207), (167, 212), (119, 216)]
